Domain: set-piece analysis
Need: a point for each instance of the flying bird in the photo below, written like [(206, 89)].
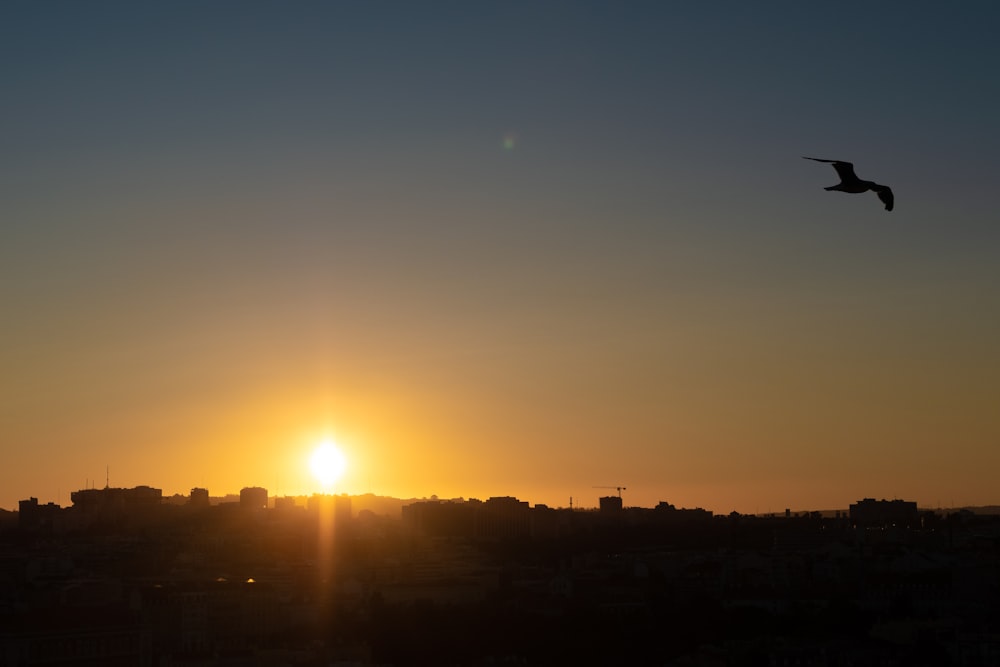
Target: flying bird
[(849, 182)]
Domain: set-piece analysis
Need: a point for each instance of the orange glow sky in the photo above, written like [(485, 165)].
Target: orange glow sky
[(230, 232)]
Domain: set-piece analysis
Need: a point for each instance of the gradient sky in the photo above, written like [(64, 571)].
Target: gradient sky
[(502, 249)]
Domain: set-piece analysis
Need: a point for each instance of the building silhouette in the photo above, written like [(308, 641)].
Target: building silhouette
[(871, 513), (253, 498), (610, 504), (502, 518), (199, 498), (492, 582), (115, 505), (33, 517)]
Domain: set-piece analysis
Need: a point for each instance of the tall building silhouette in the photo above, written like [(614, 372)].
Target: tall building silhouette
[(871, 513), (253, 498), (199, 497)]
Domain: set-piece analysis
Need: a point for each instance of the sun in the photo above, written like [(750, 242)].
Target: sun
[(327, 463)]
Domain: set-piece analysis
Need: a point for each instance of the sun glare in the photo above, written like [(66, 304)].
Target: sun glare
[(327, 463)]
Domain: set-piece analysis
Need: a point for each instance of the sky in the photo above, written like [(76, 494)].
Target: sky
[(514, 248)]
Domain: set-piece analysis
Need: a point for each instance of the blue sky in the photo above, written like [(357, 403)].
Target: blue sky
[(216, 212)]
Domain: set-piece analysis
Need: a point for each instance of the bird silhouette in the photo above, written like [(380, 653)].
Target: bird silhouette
[(849, 182)]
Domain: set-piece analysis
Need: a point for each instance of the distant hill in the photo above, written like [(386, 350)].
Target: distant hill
[(981, 509)]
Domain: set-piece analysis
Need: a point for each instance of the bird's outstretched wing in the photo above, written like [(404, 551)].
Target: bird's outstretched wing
[(885, 194), (844, 169)]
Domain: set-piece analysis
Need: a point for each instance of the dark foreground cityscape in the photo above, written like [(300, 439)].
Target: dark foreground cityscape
[(130, 577)]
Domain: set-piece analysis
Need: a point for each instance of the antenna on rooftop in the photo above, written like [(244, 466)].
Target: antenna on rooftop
[(107, 477), (618, 488)]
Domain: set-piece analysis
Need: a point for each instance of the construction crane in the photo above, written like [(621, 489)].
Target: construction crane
[(619, 489)]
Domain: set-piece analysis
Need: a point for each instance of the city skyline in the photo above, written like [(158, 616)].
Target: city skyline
[(123, 578), (501, 249), (586, 502)]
